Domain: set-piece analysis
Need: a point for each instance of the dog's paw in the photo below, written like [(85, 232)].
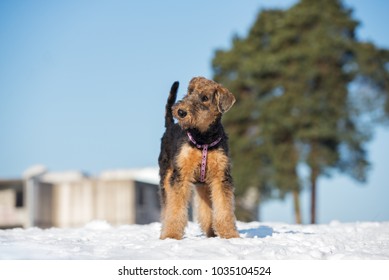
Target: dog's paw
[(229, 234), (171, 235)]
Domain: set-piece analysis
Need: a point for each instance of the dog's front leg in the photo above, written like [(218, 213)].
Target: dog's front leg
[(223, 209), (176, 210)]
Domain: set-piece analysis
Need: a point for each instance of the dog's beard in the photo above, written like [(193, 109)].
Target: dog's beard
[(185, 124)]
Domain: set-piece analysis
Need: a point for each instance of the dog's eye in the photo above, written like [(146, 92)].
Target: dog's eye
[(204, 98)]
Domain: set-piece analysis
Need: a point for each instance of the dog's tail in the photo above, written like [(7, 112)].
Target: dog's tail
[(169, 121)]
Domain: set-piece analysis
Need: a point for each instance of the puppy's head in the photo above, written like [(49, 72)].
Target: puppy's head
[(204, 103)]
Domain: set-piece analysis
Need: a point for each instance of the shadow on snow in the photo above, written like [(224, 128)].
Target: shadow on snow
[(259, 232)]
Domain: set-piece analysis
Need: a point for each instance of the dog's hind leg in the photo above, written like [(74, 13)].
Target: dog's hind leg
[(204, 209)]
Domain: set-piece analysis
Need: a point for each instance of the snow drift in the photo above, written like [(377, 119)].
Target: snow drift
[(271, 241)]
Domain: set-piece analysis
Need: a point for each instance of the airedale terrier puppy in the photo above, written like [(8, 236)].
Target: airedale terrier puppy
[(194, 153)]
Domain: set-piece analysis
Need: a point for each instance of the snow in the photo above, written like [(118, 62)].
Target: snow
[(41, 172), (35, 170), (62, 177), (267, 241), (148, 175)]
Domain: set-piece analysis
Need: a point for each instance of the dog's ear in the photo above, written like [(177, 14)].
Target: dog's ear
[(224, 99)]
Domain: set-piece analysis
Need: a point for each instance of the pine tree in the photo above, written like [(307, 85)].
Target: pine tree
[(292, 77)]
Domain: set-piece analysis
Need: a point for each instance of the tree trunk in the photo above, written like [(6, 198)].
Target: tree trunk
[(297, 209), (247, 205), (313, 195)]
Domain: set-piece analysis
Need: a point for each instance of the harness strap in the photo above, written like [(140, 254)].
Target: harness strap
[(204, 156)]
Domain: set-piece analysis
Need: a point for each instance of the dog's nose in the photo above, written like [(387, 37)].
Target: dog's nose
[(181, 113)]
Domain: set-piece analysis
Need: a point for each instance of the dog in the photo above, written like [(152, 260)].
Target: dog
[(194, 154)]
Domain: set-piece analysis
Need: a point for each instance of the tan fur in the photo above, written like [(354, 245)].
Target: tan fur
[(176, 212), (204, 209), (222, 197), (200, 109)]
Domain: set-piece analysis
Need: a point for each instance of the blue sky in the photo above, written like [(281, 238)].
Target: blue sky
[(83, 86)]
